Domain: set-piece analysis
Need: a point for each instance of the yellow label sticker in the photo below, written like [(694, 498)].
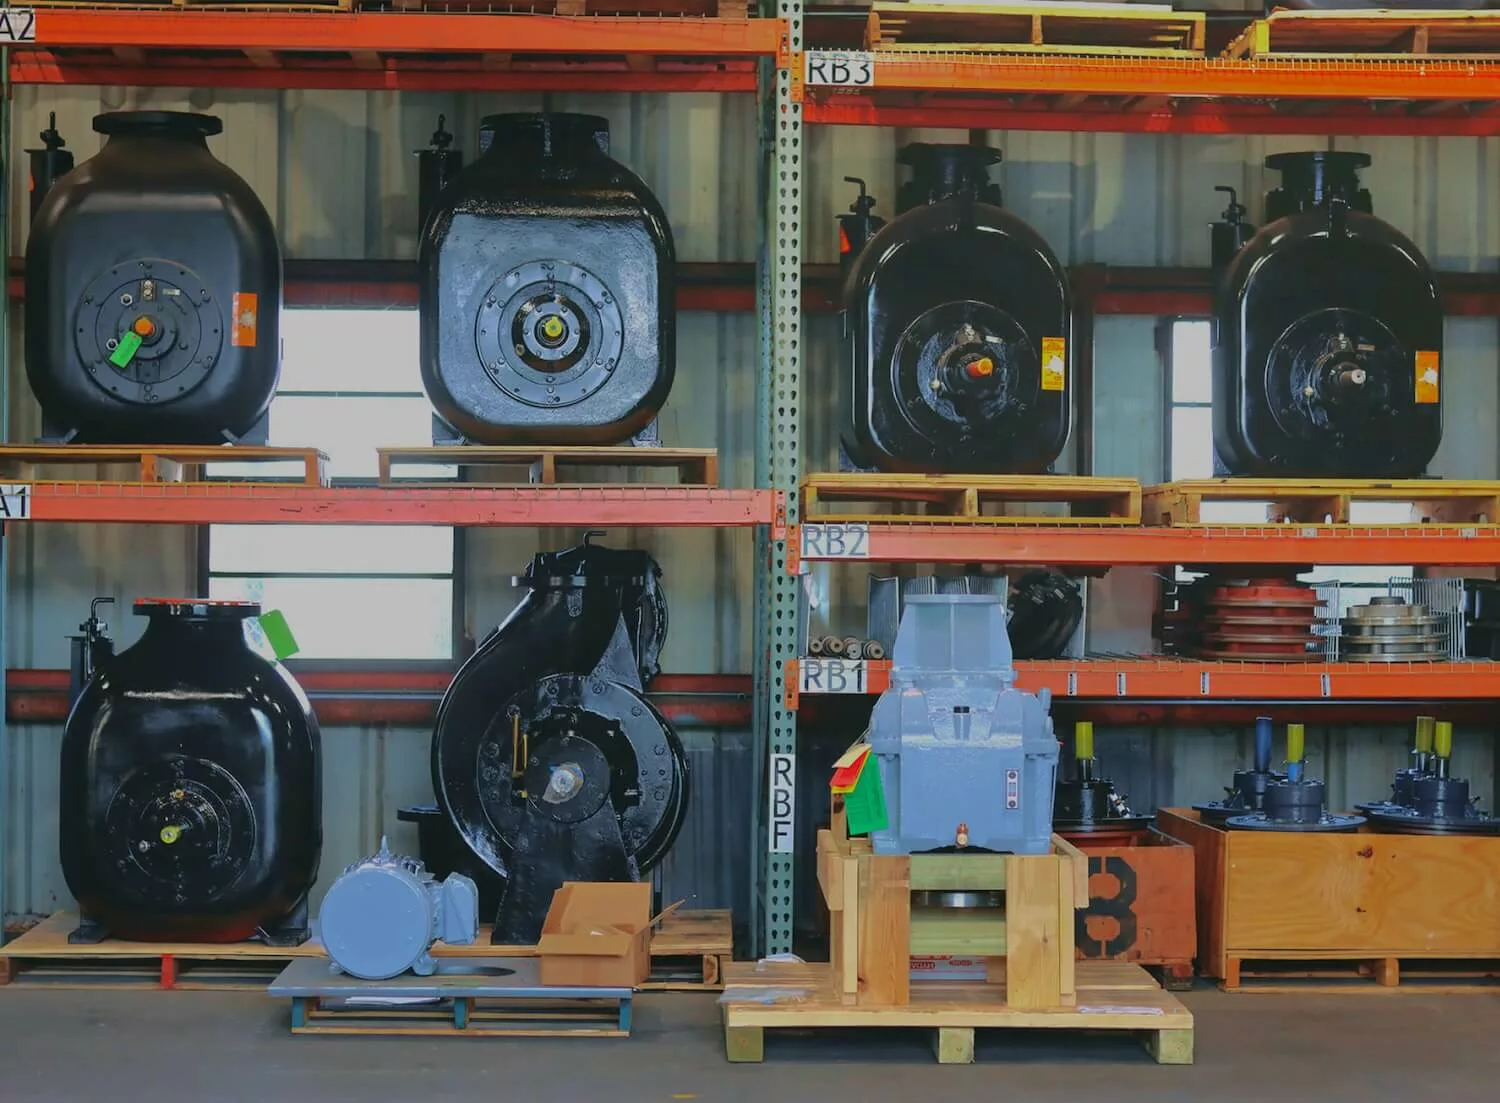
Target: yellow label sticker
[(1427, 376), (1054, 363)]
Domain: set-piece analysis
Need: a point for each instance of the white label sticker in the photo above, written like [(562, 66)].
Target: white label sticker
[(831, 676), (850, 541), (783, 803), (840, 68), (15, 502), (17, 25)]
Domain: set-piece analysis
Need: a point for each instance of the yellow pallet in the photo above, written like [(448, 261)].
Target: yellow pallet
[(966, 498), (1382, 34), (1324, 501), (1093, 29)]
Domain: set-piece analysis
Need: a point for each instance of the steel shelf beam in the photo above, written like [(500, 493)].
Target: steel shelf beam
[(1083, 546), (472, 507)]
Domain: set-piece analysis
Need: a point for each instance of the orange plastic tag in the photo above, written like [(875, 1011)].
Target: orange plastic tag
[(844, 246), (242, 333), (1054, 361), (1427, 376)]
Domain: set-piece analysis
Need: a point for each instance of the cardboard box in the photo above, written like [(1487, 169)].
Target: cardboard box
[(597, 935)]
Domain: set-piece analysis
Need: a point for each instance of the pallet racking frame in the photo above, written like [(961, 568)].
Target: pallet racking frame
[(767, 56)]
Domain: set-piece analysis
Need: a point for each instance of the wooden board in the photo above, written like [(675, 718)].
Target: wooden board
[(1112, 29), (1369, 975), (803, 997), (1323, 501), (694, 466), (1370, 33), (1266, 896), (1141, 905), (159, 463), (721, 9), (43, 955), (973, 498), (476, 997)]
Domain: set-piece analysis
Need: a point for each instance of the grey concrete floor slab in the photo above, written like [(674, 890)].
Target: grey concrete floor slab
[(123, 1047)]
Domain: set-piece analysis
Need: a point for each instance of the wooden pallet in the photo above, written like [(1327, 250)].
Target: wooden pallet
[(720, 9), (160, 463), (1112, 996), (43, 956), (1348, 35), (206, 5), (1366, 897), (1095, 29), (1366, 974), (974, 498), (472, 998), (694, 466), (688, 951), (1324, 501)]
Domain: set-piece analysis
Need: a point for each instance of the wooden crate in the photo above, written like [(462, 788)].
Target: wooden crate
[(1107, 29), (43, 956), (1141, 905), (694, 466), (473, 998), (974, 498), (1369, 33), (1113, 996), (1324, 501), (688, 951), (1365, 897), (158, 463), (874, 931), (702, 9)]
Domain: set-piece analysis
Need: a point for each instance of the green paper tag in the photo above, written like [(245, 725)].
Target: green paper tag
[(864, 808), (278, 634), (125, 351)]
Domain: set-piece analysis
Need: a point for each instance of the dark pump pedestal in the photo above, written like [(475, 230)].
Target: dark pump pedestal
[(1087, 804), (1425, 799), (1294, 802), (1249, 790)]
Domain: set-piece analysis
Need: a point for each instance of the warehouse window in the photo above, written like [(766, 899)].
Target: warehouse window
[(349, 384), (1190, 451)]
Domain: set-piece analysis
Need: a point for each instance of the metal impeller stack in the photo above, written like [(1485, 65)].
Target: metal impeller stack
[(1388, 629), (1425, 798), (1088, 805), (1258, 618)]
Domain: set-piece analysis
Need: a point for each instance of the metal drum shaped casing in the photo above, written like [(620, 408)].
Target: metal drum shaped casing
[(1327, 357), (956, 319), (155, 232), (547, 280), (191, 789)]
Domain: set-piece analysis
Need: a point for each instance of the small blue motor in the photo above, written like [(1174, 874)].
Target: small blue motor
[(383, 913)]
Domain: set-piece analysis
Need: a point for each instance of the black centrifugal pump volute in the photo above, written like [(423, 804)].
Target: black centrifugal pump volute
[(1328, 333), (153, 289), (956, 321), (191, 791), (547, 757)]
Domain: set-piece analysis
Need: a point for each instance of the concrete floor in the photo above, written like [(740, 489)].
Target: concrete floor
[(123, 1047)]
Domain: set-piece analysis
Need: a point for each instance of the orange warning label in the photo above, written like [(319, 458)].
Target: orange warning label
[(242, 332), (1054, 363), (1427, 376)]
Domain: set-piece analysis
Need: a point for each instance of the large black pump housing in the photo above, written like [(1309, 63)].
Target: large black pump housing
[(956, 318), (546, 274), (191, 793), (153, 290), (547, 756), (1328, 333)]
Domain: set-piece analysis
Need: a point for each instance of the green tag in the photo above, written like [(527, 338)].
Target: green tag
[(864, 808), (278, 634), (125, 351)]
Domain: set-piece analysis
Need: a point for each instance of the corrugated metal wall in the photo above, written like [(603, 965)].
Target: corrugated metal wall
[(336, 170)]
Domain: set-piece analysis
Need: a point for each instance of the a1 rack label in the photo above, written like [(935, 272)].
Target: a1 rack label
[(15, 502), (17, 25), (839, 69)]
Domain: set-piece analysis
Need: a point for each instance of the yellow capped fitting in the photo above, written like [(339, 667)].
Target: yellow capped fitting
[(552, 327), (1442, 739), (1424, 733), (1083, 739), (1296, 743), (171, 833)]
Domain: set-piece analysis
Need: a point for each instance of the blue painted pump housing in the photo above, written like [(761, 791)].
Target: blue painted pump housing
[(382, 915), (965, 758)]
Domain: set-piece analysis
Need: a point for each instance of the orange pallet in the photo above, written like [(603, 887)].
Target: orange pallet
[(1093, 29), (159, 463), (1290, 34), (1388, 901), (1141, 905)]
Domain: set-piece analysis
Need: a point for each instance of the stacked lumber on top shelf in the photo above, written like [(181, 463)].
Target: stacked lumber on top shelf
[(1132, 30), (1347, 34)]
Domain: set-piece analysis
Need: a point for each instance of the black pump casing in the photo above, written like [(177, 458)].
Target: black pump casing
[(953, 258), (153, 205), (544, 224), (190, 729), (560, 685), (1323, 295)]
